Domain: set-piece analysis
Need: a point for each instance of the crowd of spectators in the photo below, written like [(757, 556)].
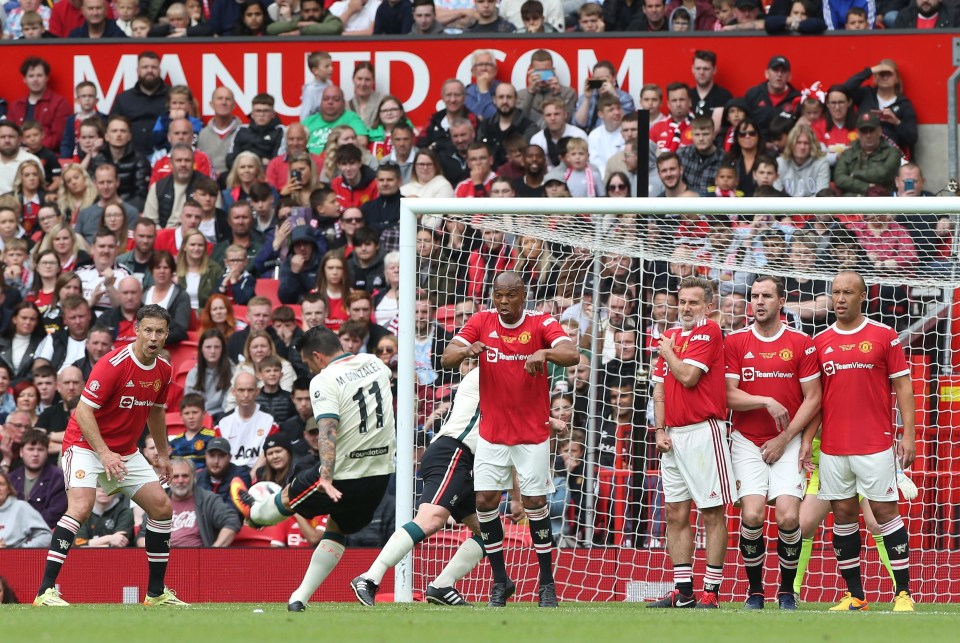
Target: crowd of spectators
[(250, 232)]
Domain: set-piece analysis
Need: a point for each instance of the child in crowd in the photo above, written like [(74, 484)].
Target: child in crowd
[(765, 171), (351, 335), (857, 20), (680, 20), (272, 399), (180, 104), (89, 141), (511, 157), (126, 11), (725, 183), (237, 283), (651, 98), (86, 94), (32, 26), (140, 27), (32, 140), (321, 66), (780, 128), (192, 442), (16, 274), (531, 13), (724, 11), (733, 114), (13, 25), (582, 178)]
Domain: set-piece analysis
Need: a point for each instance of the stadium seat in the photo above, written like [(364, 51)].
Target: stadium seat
[(174, 423), (182, 352), (268, 288), (180, 373), (445, 318)]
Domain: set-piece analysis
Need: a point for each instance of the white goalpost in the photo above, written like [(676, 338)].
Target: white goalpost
[(611, 548)]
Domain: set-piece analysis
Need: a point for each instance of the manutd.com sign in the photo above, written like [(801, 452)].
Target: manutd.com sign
[(415, 69)]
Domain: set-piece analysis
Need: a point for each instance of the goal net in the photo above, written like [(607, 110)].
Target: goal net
[(610, 277)]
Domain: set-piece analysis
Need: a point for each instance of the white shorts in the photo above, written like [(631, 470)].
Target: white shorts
[(757, 478), (873, 476), (698, 466), (493, 467), (83, 469)]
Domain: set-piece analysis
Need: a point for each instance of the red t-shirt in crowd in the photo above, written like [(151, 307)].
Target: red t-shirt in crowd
[(122, 392), (857, 366), (702, 347), (769, 367), (514, 406)]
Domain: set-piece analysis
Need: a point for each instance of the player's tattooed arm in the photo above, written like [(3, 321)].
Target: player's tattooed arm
[(328, 446)]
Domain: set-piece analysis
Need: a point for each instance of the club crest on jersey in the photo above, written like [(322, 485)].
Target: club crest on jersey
[(786, 354), (259, 433), (94, 386), (156, 385), (865, 347), (525, 337), (80, 474)]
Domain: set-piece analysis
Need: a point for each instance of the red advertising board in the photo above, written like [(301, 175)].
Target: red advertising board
[(414, 69)]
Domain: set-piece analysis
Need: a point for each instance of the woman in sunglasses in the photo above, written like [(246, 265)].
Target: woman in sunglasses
[(746, 147)]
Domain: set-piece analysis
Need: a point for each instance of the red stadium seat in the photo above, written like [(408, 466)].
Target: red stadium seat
[(182, 352), (445, 318), (180, 373), (269, 288), (174, 423)]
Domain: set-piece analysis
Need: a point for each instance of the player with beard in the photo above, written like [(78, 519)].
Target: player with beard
[(690, 409), (126, 390), (773, 388), (530, 185)]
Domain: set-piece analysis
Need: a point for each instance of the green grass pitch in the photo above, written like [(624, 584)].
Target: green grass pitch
[(420, 623)]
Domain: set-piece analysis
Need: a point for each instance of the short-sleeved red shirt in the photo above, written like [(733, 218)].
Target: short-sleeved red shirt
[(769, 367), (702, 347), (857, 366), (122, 391), (514, 406)]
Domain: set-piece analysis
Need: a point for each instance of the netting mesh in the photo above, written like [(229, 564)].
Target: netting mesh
[(610, 280)]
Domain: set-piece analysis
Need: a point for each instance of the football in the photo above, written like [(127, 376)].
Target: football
[(263, 490)]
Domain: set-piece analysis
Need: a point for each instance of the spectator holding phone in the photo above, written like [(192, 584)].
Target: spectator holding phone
[(603, 82), (542, 83)]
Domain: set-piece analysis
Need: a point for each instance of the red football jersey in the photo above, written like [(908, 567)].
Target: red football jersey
[(122, 391), (702, 347), (769, 367), (857, 366), (514, 406)]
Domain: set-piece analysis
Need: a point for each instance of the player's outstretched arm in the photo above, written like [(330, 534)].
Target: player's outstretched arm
[(112, 462), (456, 352), (907, 449), (327, 447), (157, 424)]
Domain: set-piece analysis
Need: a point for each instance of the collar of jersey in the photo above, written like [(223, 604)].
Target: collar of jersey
[(133, 356), (523, 316), (340, 357), (851, 332), (783, 329)]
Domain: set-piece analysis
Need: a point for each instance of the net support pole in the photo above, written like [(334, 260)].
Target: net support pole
[(593, 433), (406, 396)]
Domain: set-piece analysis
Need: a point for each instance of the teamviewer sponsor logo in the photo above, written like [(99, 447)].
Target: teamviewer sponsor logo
[(830, 368), (748, 374), (128, 402)]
